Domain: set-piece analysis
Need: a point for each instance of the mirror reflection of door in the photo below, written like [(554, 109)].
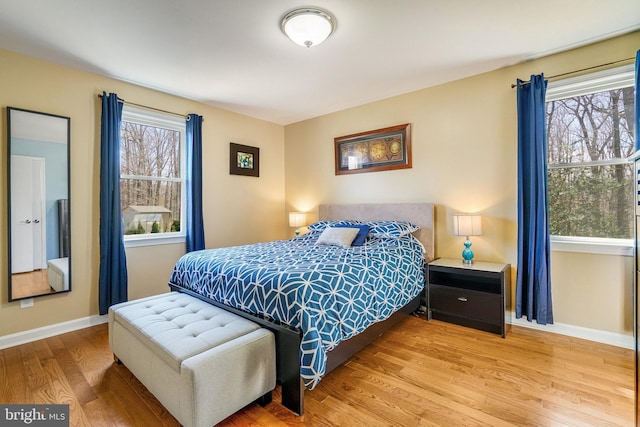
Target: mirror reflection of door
[(38, 196), (28, 226)]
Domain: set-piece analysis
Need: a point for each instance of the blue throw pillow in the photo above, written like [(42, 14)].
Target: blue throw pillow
[(363, 231)]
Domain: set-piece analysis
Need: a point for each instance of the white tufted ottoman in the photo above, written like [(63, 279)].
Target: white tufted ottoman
[(201, 362)]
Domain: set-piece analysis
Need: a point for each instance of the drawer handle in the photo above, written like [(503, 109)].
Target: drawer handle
[(463, 299)]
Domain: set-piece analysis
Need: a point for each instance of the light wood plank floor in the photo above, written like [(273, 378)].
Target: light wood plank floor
[(29, 284), (419, 374)]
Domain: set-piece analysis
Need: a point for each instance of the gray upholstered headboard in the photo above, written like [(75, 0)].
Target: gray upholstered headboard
[(417, 213)]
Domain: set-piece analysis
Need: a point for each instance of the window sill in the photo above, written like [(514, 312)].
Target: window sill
[(139, 241), (622, 247)]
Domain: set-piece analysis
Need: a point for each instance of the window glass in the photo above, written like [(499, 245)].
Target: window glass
[(151, 173), (590, 135)]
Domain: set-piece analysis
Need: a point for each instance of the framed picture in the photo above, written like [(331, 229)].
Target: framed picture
[(244, 160), (375, 150)]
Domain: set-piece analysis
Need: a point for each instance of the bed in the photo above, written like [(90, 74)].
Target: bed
[(58, 273), (321, 308)]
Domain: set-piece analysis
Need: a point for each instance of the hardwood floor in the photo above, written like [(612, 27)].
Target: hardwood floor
[(418, 374), (32, 283)]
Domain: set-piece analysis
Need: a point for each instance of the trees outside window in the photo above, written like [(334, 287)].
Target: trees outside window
[(590, 136), (151, 173)]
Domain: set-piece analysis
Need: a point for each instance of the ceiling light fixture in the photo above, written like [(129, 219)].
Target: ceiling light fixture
[(308, 26)]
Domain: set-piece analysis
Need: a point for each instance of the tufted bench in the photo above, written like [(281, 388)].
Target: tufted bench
[(201, 362)]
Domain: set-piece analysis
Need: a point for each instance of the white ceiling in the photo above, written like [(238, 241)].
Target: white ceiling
[(38, 127), (232, 54)]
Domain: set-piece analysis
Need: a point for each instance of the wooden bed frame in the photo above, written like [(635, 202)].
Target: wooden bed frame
[(288, 339)]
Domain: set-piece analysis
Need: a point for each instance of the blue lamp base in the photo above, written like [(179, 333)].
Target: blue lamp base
[(467, 253)]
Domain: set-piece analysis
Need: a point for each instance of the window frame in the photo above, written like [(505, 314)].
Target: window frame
[(166, 121), (613, 78)]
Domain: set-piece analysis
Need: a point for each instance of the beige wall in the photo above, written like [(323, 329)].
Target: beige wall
[(464, 139), (464, 159), (593, 291), (237, 209)]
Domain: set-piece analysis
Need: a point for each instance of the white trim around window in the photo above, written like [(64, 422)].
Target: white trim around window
[(592, 245), (136, 241), (157, 119), (613, 78)]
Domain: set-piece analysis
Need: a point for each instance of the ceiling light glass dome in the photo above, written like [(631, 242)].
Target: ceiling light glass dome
[(308, 26)]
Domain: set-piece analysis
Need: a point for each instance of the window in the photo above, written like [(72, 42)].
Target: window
[(589, 138), (152, 176)]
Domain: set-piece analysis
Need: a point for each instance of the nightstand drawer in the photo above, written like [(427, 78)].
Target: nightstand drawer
[(465, 302)]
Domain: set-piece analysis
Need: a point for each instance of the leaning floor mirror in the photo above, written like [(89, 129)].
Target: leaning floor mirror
[(38, 204)]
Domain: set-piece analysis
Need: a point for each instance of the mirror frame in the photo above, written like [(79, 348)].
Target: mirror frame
[(9, 200)]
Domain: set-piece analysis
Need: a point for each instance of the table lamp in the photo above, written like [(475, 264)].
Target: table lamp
[(297, 220), (467, 225)]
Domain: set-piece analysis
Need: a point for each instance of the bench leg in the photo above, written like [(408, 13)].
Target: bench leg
[(265, 399)]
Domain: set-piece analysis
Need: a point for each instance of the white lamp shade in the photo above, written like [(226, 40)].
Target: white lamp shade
[(308, 27), (296, 219), (467, 225)]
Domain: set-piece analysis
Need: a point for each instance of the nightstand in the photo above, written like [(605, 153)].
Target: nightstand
[(469, 295)]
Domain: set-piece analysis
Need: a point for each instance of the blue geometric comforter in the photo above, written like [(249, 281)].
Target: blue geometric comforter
[(330, 293)]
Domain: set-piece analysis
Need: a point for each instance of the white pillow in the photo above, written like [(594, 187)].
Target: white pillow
[(338, 236)]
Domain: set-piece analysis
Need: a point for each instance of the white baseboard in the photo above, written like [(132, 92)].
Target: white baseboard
[(604, 337), (50, 330)]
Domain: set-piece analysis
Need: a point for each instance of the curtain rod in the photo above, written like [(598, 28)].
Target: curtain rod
[(578, 71), (186, 116)]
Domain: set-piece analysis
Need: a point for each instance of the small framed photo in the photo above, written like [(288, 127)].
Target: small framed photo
[(374, 150), (244, 160)]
